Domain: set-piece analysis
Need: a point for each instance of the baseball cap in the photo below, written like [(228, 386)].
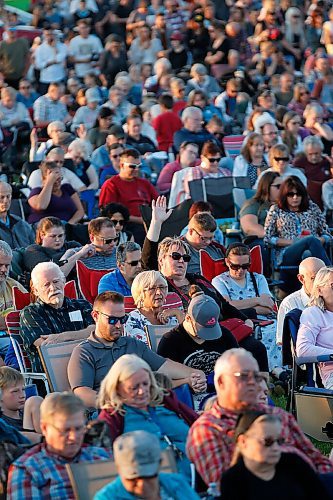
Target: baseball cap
[(205, 312), (137, 454), (92, 95)]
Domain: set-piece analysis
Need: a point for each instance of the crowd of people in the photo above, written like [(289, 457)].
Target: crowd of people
[(112, 108)]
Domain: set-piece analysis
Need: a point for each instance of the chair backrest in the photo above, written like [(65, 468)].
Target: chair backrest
[(155, 333), (55, 359), (13, 327), (88, 197), (240, 195), (23, 299), (174, 224), (172, 301), (88, 280), (87, 478), (232, 145), (218, 192), (210, 268)]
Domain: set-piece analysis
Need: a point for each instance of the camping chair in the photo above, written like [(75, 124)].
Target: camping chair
[(13, 327), (155, 333), (88, 197), (88, 280), (174, 224), (87, 478), (55, 358), (240, 195), (232, 145), (23, 299), (311, 405)]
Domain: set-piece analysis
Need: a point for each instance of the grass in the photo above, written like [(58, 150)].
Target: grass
[(324, 448)]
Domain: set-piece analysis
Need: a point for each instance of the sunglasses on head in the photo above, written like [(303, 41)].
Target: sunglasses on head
[(177, 256), (237, 267), (113, 320)]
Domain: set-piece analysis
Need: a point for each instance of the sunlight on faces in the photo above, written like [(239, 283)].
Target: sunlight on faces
[(13, 398), (5, 262), (65, 436), (50, 287), (105, 241), (54, 238), (127, 269), (155, 295), (5, 197), (104, 330), (126, 167), (237, 260), (199, 238), (135, 390), (171, 268), (251, 444)]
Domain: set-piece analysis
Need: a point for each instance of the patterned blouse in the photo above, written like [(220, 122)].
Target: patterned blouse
[(135, 325)]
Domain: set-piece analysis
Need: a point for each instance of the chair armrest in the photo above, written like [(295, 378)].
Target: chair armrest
[(303, 360), (317, 391)]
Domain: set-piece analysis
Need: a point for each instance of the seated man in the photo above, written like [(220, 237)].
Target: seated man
[(128, 266), (102, 234), (137, 456), (40, 473), (53, 318), (307, 271), (91, 360), (210, 445), (15, 231), (192, 130)]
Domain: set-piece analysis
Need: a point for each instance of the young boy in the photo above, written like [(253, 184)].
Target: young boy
[(15, 409)]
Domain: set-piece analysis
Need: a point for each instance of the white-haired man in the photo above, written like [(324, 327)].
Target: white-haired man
[(210, 443), (41, 473), (307, 271), (53, 318), (192, 130)]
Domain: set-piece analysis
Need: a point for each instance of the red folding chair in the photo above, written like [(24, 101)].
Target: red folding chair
[(23, 299), (232, 145), (88, 280), (210, 268)]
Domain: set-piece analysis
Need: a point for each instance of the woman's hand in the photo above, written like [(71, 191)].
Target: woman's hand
[(52, 176), (198, 382), (159, 210), (163, 316), (266, 301)]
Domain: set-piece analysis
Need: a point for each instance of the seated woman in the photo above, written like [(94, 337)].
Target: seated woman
[(297, 228), (98, 134), (251, 162), (293, 133), (78, 153), (51, 246), (54, 199), (131, 400), (244, 289), (260, 466), (302, 97), (119, 215), (149, 291), (279, 161), (315, 332)]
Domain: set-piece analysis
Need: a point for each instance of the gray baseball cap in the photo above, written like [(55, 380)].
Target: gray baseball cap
[(205, 312), (137, 454)]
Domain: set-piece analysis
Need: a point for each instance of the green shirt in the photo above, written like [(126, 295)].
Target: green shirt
[(13, 58), (254, 207)]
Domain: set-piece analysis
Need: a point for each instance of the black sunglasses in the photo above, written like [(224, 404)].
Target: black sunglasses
[(108, 241), (133, 165), (292, 194), (177, 256), (133, 263), (281, 158), (113, 320), (117, 221), (214, 160), (268, 442), (237, 267)]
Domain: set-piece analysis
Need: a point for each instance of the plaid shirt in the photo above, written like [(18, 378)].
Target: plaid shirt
[(42, 319), (210, 443), (45, 109), (40, 474)]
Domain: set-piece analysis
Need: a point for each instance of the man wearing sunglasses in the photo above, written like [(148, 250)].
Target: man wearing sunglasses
[(130, 190), (103, 237), (210, 445), (91, 360)]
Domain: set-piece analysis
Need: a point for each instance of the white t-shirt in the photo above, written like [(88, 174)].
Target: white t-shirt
[(83, 48), (68, 177)]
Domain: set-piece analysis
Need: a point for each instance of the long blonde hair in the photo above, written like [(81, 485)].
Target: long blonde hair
[(322, 278), (126, 366)]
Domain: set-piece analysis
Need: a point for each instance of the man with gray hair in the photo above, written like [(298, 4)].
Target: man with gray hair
[(38, 151), (14, 230), (120, 280), (210, 443), (53, 318), (192, 130)]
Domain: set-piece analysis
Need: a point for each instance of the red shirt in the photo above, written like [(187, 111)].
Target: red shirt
[(165, 125), (132, 193)]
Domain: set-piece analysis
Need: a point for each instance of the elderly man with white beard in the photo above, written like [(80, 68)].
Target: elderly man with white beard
[(53, 318)]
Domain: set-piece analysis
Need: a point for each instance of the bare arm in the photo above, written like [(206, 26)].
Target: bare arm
[(87, 395), (184, 374), (42, 200), (86, 251), (93, 178), (56, 338), (249, 224)]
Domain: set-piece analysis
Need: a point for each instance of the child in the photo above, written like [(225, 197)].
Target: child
[(15, 409)]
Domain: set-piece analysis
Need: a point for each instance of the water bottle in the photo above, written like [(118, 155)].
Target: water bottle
[(212, 491)]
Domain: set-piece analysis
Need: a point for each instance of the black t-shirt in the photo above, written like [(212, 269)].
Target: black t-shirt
[(179, 346), (294, 479)]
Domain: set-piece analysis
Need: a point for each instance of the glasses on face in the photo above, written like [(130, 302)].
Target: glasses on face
[(281, 158), (306, 92), (56, 283), (132, 165), (66, 432), (115, 156), (121, 222), (177, 256), (237, 267), (292, 194), (133, 263), (204, 239), (246, 376), (113, 320), (269, 441), (108, 241), (153, 289), (214, 160)]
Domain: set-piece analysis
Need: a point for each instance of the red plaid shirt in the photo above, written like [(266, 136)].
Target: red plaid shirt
[(210, 443)]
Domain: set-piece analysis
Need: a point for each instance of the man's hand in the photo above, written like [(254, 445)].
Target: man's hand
[(164, 315), (159, 210), (86, 251), (198, 381), (81, 131), (53, 338)]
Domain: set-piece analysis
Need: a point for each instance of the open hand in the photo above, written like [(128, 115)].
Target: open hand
[(160, 213)]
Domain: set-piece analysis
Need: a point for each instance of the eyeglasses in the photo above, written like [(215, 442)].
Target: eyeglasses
[(247, 375), (25, 87), (108, 241), (269, 441), (306, 92), (133, 263), (281, 158), (237, 267), (113, 320), (292, 194), (118, 221), (177, 256), (56, 282), (161, 288), (115, 156), (204, 238), (132, 165), (66, 432), (214, 160)]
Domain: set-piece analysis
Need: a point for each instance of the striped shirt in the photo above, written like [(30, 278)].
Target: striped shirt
[(42, 319), (101, 261)]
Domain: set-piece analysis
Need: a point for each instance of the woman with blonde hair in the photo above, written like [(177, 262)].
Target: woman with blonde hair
[(279, 161), (131, 400), (149, 291), (261, 469), (315, 335), (251, 162), (301, 99)]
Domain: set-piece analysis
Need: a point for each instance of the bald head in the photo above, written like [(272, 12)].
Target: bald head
[(5, 199), (308, 269)]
